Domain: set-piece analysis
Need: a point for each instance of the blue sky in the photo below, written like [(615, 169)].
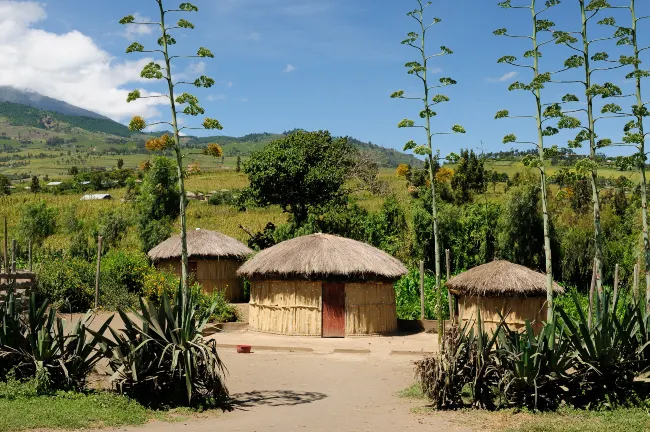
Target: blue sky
[(332, 64)]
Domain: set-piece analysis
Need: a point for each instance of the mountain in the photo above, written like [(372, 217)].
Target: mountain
[(44, 103), (30, 116), (17, 114)]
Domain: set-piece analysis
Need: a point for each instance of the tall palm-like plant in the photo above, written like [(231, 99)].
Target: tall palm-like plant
[(421, 69), (535, 87), (155, 71)]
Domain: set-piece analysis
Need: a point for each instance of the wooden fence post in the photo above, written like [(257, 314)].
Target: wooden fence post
[(6, 248), (635, 283), (99, 265), (422, 316), (29, 252), (450, 296), (591, 292), (616, 281), (13, 256)]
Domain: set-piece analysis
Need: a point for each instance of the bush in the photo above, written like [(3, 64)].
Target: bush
[(127, 269), (37, 222), (407, 297), (224, 197), (161, 358), (69, 283)]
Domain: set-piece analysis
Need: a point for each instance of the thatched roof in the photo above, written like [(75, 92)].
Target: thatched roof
[(501, 279), (201, 244), (322, 256)]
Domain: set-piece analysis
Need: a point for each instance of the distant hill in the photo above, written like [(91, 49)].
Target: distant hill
[(38, 101), (34, 116), (23, 115), (244, 146)]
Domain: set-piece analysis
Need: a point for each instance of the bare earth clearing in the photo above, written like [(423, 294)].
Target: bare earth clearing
[(314, 392)]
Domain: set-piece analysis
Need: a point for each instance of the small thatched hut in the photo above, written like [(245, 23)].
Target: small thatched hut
[(515, 291), (322, 285), (213, 259)]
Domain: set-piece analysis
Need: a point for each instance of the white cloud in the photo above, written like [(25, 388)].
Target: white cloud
[(230, 83), (134, 30), (217, 97), (254, 36), (505, 77), (67, 66), (290, 68)]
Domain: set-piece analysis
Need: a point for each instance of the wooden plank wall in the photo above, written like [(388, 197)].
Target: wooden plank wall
[(370, 308), (518, 309), (214, 275), (22, 282), (286, 307)]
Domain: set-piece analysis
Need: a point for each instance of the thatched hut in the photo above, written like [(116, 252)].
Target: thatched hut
[(322, 285), (515, 291), (213, 260)]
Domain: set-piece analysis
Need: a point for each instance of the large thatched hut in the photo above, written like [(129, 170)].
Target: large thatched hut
[(322, 285), (213, 260), (516, 292)]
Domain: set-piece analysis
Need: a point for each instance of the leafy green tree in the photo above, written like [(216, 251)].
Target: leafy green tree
[(540, 27), (35, 187), (238, 167), (37, 222), (521, 228), (635, 133), (120, 163), (5, 185), (582, 44), (190, 102), (469, 176), (420, 69), (302, 171), (157, 203), (112, 227)]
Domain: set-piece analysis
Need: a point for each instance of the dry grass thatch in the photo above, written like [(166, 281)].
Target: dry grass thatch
[(501, 278), (203, 244), (323, 256)]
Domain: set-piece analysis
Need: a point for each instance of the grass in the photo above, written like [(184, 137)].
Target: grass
[(563, 420), (70, 411)]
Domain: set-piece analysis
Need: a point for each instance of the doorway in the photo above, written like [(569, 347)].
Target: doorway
[(333, 310)]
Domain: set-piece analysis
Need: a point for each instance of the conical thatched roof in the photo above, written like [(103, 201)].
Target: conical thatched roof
[(201, 243), (322, 256), (501, 279)]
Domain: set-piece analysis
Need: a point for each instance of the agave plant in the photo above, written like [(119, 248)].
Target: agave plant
[(37, 345), (161, 356), (534, 368), (606, 352)]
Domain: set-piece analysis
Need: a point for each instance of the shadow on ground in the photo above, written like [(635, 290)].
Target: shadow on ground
[(273, 398)]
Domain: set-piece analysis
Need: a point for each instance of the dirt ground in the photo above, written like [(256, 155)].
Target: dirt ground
[(276, 391)]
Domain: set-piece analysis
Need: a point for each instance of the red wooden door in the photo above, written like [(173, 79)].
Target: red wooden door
[(333, 309)]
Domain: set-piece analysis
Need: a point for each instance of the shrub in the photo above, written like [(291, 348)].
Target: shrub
[(37, 222), (407, 297), (224, 197), (161, 358), (69, 283), (127, 269), (36, 346)]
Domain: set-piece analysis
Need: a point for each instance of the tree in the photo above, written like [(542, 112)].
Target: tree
[(581, 43), (5, 185), (238, 167), (634, 130), (420, 69), (37, 222), (73, 171), (302, 171), (157, 203), (535, 87), (155, 71), (120, 163), (36, 185), (469, 176), (403, 170)]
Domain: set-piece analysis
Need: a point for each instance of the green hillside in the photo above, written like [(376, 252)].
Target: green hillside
[(23, 115)]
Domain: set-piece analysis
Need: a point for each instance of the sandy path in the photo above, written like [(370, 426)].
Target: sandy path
[(313, 392)]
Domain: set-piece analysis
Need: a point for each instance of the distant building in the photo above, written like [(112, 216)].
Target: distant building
[(53, 184), (92, 197)]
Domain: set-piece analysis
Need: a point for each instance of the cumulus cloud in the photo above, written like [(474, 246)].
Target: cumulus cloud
[(290, 68), (133, 30), (505, 77), (67, 66), (217, 97)]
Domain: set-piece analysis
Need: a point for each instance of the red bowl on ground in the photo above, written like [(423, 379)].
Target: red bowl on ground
[(244, 349)]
